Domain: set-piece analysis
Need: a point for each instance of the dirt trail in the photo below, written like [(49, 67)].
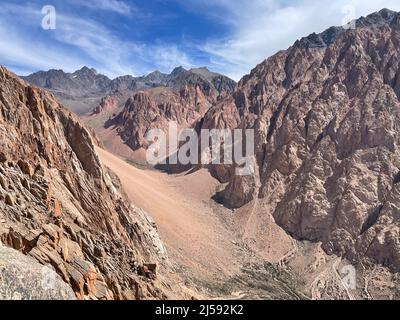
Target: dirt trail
[(180, 205)]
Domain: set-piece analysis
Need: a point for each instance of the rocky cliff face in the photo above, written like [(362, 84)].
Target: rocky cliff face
[(60, 206), (327, 118), (154, 109)]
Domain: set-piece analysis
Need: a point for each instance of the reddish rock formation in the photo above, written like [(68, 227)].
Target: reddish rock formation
[(183, 104), (107, 104), (59, 205), (327, 119)]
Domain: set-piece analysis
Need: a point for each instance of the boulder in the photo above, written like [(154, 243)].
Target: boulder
[(23, 278)]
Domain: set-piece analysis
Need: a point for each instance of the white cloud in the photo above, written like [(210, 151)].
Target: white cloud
[(257, 30), (34, 56), (117, 6), (77, 42), (114, 56), (169, 56), (260, 28), (23, 53), (97, 42)]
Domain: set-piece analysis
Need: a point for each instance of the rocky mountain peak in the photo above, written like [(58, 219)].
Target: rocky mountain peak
[(329, 36), (86, 71), (156, 77), (177, 71), (377, 19), (141, 97), (201, 70)]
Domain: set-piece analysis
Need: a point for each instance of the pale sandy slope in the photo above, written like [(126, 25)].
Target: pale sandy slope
[(206, 241), (193, 232)]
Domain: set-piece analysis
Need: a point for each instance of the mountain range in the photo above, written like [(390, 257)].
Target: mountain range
[(81, 91), (324, 196)]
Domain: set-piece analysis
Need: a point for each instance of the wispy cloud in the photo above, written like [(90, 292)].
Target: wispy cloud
[(20, 51), (14, 52), (260, 28), (253, 31), (97, 42), (115, 56), (117, 6), (77, 42), (170, 56)]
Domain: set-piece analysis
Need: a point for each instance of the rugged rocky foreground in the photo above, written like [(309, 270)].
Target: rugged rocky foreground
[(326, 114), (60, 206)]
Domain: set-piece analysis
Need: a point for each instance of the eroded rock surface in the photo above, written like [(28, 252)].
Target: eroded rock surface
[(23, 278), (59, 205), (326, 116)]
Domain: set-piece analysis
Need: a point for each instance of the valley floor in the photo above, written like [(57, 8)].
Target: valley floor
[(180, 205), (215, 254)]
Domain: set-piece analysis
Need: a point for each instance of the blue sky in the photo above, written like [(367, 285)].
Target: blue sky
[(136, 37)]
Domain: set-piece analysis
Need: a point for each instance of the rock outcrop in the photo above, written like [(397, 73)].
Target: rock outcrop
[(60, 206), (107, 104), (156, 108), (326, 115), (23, 278)]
